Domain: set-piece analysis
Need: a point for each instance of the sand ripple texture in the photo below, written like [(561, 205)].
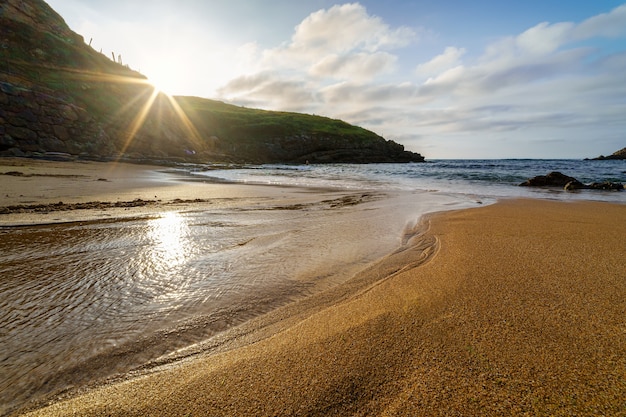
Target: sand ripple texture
[(81, 301)]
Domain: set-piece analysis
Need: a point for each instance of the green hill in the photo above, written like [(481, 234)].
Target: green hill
[(57, 94)]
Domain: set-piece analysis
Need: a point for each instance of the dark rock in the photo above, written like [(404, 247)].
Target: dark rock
[(7, 142), (617, 186), (53, 144), (7, 88), (621, 154), (574, 185), (58, 156), (28, 116), (21, 133), (68, 113), (553, 179), (16, 121), (556, 179), (14, 152), (61, 132)]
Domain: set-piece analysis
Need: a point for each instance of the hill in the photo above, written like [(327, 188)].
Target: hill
[(621, 154), (59, 95)]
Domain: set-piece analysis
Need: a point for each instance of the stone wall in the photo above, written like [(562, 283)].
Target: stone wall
[(34, 121)]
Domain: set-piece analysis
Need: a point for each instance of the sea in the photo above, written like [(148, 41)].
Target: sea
[(489, 179), (83, 301)]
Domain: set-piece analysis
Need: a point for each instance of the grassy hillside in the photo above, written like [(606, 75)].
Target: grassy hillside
[(57, 94)]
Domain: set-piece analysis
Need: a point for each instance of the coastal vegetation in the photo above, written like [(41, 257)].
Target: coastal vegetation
[(59, 95)]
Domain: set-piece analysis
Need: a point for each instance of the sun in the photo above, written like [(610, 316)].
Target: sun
[(165, 79)]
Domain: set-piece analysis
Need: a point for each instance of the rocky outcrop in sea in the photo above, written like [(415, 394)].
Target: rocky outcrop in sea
[(621, 154), (557, 179)]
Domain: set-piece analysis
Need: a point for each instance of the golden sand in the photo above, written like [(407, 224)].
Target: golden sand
[(520, 311), (31, 190)]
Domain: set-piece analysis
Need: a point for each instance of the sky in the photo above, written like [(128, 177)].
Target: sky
[(445, 78)]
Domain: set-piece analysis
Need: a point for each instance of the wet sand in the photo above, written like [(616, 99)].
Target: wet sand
[(118, 264), (40, 191), (511, 309)]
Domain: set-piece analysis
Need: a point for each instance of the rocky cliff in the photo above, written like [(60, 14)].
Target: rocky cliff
[(621, 154), (58, 95)]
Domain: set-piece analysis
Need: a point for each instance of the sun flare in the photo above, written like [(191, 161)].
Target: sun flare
[(161, 86), (165, 80)]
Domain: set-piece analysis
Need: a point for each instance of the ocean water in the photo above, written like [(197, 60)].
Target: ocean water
[(82, 301), (489, 179)]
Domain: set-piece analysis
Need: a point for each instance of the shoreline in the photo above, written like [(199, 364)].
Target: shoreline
[(411, 332), (43, 192), (520, 310), (352, 210), (418, 249)]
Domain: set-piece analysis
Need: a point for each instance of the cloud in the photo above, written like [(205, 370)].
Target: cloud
[(343, 41), (608, 25), (367, 95), (544, 38), (450, 58), (271, 90), (358, 66), (340, 44), (542, 83), (540, 53), (344, 28)]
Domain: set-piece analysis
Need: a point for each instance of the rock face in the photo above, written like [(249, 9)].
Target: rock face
[(37, 122), (621, 154), (59, 95), (553, 179), (557, 179), (607, 186)]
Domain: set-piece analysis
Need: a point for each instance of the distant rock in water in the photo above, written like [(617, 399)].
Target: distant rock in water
[(557, 179), (621, 154), (553, 179)]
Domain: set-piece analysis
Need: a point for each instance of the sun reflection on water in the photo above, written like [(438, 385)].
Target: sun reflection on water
[(169, 235)]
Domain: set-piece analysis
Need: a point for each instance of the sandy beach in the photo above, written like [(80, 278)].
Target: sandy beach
[(516, 308), (40, 191)]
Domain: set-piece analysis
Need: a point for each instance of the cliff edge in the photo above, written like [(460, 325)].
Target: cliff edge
[(60, 96), (621, 154)]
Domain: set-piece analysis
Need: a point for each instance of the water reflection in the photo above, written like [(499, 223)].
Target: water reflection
[(70, 293), (85, 300), (169, 249), (169, 240)]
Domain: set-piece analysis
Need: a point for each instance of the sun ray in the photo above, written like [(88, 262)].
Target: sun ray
[(187, 123), (139, 119)]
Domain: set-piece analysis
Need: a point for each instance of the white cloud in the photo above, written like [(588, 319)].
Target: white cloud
[(539, 54), (271, 90), (544, 38), (357, 67), (448, 59), (340, 44), (609, 25), (345, 28), (340, 38), (360, 96), (539, 82)]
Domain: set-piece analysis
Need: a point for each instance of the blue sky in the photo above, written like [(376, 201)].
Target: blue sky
[(446, 78)]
